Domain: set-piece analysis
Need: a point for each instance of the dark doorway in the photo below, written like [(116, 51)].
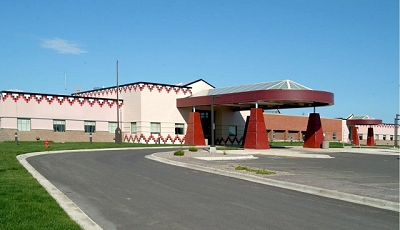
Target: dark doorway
[(205, 117)]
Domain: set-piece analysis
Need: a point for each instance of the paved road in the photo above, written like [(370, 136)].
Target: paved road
[(123, 190), (373, 175), (379, 170)]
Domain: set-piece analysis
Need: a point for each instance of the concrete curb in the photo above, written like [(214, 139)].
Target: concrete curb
[(295, 154), (377, 151), (373, 202), (250, 157), (282, 153)]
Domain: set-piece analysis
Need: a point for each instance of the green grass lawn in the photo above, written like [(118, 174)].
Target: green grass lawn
[(24, 203), (285, 143)]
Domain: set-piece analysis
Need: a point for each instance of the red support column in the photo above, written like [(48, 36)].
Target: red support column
[(256, 135), (370, 137), (354, 136), (194, 132), (314, 134)]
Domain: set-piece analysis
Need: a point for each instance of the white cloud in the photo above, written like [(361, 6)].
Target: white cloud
[(63, 46)]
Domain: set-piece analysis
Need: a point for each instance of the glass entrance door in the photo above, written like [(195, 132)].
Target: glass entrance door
[(205, 117)]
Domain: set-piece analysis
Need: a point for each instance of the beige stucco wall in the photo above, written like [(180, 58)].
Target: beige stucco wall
[(225, 117), (160, 107), (79, 109), (145, 103), (199, 86), (43, 109), (380, 132)]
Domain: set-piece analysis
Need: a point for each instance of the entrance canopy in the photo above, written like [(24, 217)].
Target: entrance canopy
[(352, 121), (267, 95), (363, 120)]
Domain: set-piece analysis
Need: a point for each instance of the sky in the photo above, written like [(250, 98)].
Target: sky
[(347, 47)]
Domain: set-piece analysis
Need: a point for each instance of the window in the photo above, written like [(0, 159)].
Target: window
[(232, 130), (391, 137), (360, 137), (377, 137), (24, 124), (133, 128), (155, 127), (59, 125), (384, 137), (90, 126), (334, 136), (273, 134), (204, 114), (179, 128), (112, 126)]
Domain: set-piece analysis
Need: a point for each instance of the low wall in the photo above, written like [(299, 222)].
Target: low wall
[(68, 136)]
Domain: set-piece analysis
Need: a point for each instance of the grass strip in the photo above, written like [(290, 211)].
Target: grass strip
[(24, 203), (229, 148), (285, 143), (332, 144), (257, 171)]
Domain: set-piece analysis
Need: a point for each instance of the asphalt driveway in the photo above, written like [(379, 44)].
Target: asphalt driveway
[(123, 190)]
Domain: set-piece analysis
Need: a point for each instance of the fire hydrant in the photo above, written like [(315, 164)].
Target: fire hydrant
[(46, 143)]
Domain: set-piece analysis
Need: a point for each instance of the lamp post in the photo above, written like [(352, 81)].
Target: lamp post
[(16, 138), (396, 131), (212, 146), (118, 134), (90, 138)]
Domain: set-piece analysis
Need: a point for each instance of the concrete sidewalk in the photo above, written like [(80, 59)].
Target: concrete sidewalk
[(222, 163)]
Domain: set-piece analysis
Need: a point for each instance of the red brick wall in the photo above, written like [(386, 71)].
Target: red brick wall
[(293, 126)]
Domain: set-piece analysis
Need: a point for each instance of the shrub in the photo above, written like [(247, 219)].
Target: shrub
[(179, 153), (193, 149)]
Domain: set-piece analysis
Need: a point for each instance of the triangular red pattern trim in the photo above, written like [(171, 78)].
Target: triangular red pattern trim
[(60, 100), (229, 139), (135, 87), (38, 98), (49, 99), (142, 138), (27, 97)]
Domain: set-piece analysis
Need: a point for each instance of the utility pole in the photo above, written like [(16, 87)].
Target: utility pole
[(213, 149), (396, 131), (118, 134)]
